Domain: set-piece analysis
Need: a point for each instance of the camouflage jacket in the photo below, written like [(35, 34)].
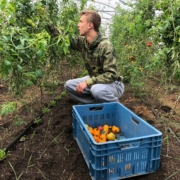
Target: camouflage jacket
[(99, 59)]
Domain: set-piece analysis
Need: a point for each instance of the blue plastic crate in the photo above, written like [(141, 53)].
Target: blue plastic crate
[(137, 152)]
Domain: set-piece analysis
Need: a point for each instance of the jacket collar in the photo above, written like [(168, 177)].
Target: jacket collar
[(96, 40)]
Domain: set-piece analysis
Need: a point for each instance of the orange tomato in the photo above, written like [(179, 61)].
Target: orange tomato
[(115, 129), (105, 126), (91, 130), (96, 132), (102, 140), (96, 138), (102, 136), (105, 131)]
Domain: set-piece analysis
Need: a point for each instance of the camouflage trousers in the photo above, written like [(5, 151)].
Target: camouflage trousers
[(97, 93)]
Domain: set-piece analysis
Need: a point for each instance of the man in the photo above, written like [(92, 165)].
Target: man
[(103, 82)]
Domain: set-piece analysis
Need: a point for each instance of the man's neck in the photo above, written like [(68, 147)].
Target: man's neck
[(90, 36)]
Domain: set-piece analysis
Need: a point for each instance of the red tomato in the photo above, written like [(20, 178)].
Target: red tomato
[(148, 44)]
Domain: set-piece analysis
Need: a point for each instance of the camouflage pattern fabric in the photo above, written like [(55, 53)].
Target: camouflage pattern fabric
[(99, 59)]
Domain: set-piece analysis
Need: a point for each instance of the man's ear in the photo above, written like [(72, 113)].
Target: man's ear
[(90, 25)]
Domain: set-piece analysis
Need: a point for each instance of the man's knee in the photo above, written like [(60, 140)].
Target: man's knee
[(103, 94), (97, 91), (68, 84)]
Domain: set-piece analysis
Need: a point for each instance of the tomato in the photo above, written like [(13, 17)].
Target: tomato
[(30, 22), (148, 44), (111, 136), (115, 129), (132, 58)]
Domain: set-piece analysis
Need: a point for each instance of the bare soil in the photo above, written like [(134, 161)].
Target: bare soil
[(48, 150)]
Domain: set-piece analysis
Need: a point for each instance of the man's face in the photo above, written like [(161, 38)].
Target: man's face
[(83, 25)]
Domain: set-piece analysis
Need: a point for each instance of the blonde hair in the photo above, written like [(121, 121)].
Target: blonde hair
[(94, 17)]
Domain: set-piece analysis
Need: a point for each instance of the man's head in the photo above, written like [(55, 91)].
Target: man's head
[(89, 20)]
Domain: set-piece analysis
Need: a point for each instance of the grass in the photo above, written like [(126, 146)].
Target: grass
[(29, 165), (54, 140), (68, 150), (169, 177), (17, 177)]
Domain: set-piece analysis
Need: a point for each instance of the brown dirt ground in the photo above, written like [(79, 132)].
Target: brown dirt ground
[(49, 151)]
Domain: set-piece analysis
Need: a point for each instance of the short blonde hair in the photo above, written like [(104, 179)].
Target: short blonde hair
[(92, 16)]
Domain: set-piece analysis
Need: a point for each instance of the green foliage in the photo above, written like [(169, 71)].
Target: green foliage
[(28, 46), (2, 154), (45, 110), (52, 103), (169, 27), (147, 40), (63, 93), (8, 107), (37, 121), (19, 122)]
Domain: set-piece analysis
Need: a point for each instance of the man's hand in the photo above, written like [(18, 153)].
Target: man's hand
[(53, 30), (80, 87)]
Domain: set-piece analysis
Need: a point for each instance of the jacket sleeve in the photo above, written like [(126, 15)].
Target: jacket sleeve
[(77, 43)]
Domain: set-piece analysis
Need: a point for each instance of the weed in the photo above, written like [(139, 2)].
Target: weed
[(19, 122), (8, 107), (52, 103), (37, 120), (26, 106), (2, 154), (45, 110), (59, 97), (50, 93), (63, 93)]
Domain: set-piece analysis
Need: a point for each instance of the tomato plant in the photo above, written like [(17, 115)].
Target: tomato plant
[(27, 46), (135, 28)]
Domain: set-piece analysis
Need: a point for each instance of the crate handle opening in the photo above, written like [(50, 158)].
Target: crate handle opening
[(96, 108), (135, 120), (124, 147)]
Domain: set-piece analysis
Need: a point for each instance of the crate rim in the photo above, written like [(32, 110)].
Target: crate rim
[(159, 133)]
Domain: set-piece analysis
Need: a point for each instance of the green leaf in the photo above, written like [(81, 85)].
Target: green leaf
[(11, 7), (22, 41), (40, 53), (39, 73), (7, 63), (4, 75), (19, 68), (5, 38), (20, 46), (177, 28), (28, 83), (65, 48), (6, 68), (3, 4)]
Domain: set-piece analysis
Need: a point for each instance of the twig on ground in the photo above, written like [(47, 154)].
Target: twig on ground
[(42, 173), (71, 175)]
